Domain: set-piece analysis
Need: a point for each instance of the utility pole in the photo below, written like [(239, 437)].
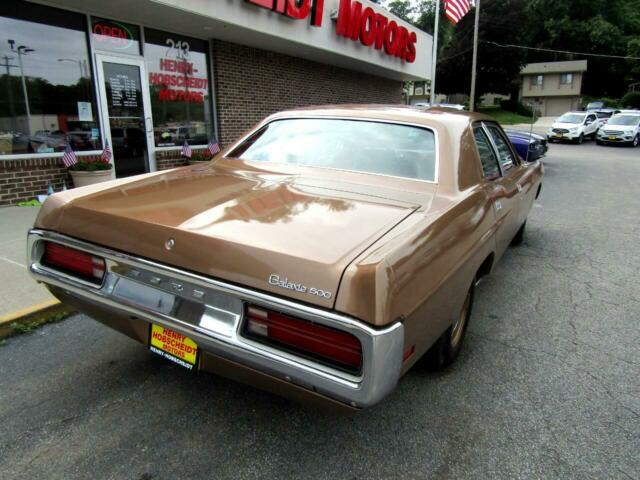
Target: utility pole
[(472, 96), (23, 50), (12, 112), (434, 56)]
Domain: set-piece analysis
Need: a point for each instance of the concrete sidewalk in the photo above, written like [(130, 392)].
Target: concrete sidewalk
[(18, 291)]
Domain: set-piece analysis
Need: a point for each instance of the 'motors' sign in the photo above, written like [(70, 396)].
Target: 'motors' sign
[(354, 21)]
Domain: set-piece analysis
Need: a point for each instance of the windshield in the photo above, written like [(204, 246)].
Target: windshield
[(571, 118), (357, 145), (624, 120), (604, 114)]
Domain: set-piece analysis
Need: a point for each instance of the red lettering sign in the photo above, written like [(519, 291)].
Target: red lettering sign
[(375, 29), (297, 9)]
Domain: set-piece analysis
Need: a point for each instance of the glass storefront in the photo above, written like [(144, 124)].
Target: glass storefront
[(46, 85), (49, 96), (179, 86)]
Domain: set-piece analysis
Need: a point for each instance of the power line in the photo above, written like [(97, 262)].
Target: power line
[(561, 51)]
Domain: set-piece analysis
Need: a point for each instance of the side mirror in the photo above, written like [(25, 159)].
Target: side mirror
[(588, 122)]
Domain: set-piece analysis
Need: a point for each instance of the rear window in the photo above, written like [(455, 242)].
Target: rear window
[(356, 145)]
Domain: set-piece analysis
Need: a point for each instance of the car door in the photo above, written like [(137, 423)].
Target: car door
[(508, 189), (591, 124)]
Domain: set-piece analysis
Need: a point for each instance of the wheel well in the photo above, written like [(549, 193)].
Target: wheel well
[(539, 190), (485, 267)]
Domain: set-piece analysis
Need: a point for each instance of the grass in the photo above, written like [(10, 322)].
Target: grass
[(506, 118), (22, 328)]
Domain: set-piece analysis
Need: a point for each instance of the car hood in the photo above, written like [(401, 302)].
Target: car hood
[(242, 225), (623, 128), (566, 125)]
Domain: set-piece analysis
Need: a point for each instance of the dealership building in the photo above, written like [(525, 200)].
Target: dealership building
[(145, 76)]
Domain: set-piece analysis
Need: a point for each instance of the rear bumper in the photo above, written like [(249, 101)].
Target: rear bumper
[(139, 290)]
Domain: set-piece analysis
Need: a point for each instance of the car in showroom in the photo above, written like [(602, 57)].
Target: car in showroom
[(623, 128), (530, 146), (318, 257), (574, 127)]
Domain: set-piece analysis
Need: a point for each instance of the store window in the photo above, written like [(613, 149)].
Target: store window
[(46, 87), (179, 85)]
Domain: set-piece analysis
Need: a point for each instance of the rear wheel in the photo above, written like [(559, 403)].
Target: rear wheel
[(447, 348)]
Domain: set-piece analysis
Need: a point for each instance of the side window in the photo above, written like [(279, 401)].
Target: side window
[(505, 155), (487, 155), (591, 118)]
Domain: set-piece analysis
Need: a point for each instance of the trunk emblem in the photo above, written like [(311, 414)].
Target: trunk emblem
[(169, 244)]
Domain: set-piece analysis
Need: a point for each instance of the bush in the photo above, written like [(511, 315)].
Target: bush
[(88, 165), (516, 107), (631, 100)]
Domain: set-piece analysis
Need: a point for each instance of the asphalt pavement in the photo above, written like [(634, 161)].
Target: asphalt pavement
[(547, 386)]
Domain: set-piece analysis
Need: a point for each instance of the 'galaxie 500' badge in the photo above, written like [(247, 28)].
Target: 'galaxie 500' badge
[(276, 280)]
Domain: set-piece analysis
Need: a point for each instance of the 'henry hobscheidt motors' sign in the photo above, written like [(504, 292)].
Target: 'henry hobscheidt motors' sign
[(354, 21)]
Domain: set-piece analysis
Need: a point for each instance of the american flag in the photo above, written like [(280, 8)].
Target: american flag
[(454, 10), (213, 146), (186, 150), (106, 153), (69, 157)]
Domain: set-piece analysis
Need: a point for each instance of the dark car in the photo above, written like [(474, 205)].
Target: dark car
[(530, 146)]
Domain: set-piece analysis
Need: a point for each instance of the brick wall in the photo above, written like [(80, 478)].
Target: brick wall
[(252, 83), (24, 179)]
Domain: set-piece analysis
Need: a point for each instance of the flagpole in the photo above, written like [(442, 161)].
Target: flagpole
[(472, 97), (434, 55)]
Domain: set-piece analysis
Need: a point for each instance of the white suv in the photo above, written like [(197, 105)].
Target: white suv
[(622, 128), (574, 126)]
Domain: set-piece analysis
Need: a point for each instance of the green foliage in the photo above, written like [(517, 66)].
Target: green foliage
[(631, 100), (24, 327), (610, 27), (516, 107), (30, 203), (201, 156), (30, 327), (88, 165), (505, 117)]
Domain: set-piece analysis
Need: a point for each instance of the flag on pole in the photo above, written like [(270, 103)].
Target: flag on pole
[(454, 10), (213, 146), (106, 153), (69, 157), (186, 150)]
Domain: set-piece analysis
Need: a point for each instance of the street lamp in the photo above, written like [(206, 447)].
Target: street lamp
[(23, 50), (79, 62)]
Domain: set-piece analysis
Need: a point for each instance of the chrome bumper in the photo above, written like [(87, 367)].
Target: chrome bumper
[(211, 313)]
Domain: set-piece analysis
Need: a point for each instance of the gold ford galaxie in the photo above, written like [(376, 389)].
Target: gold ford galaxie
[(319, 257)]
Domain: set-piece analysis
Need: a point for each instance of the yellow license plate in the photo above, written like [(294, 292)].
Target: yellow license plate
[(612, 137), (559, 135), (173, 346)]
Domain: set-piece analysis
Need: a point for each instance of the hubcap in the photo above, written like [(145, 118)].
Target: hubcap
[(458, 327)]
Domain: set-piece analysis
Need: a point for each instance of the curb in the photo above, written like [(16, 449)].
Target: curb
[(34, 315)]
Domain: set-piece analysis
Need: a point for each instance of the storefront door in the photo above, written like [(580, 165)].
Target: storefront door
[(126, 114)]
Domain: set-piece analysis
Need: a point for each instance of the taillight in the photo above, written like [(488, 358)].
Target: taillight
[(75, 262), (324, 344)]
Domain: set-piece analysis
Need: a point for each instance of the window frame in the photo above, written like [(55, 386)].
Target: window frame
[(569, 76), (535, 78), (260, 128), (517, 163), (480, 125)]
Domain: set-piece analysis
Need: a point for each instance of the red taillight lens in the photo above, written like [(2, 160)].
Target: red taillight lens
[(325, 344), (74, 261)]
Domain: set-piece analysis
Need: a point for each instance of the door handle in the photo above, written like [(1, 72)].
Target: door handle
[(498, 205), (519, 187), (149, 127)]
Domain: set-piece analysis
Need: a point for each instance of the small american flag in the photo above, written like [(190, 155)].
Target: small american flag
[(69, 157), (454, 10), (186, 150), (106, 153), (213, 146)]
